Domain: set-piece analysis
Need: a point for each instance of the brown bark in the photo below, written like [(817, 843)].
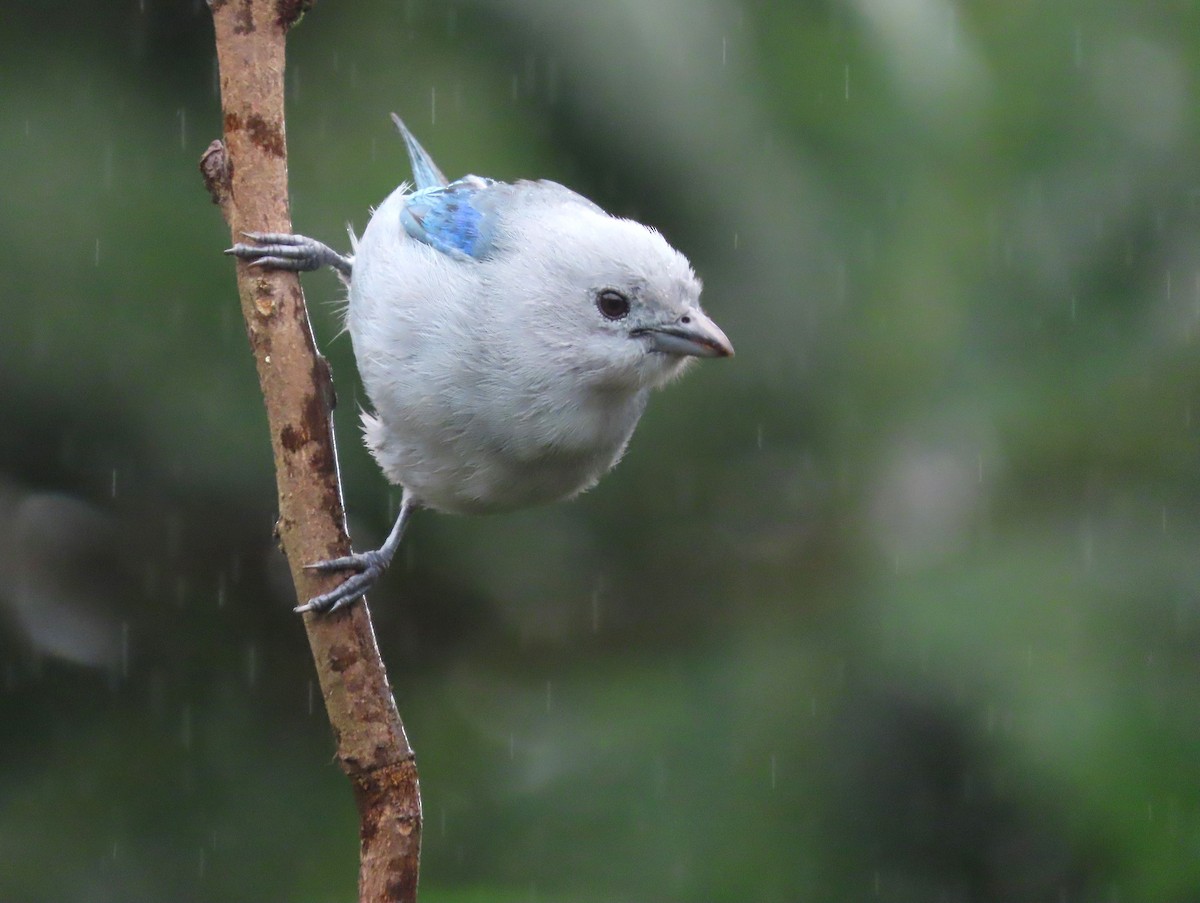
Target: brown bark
[(247, 177)]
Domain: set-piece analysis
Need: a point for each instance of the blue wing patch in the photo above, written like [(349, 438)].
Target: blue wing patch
[(459, 218), (456, 220)]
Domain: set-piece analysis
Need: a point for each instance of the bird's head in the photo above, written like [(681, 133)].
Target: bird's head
[(614, 298)]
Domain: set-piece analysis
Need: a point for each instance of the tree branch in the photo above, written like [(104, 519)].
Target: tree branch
[(247, 177)]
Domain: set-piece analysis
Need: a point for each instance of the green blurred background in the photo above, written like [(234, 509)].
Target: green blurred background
[(901, 603)]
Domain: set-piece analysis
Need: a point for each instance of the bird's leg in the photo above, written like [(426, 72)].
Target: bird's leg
[(368, 567), (284, 251)]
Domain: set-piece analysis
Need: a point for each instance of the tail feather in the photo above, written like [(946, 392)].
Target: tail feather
[(425, 171)]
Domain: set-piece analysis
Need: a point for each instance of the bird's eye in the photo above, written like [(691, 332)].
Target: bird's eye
[(612, 304)]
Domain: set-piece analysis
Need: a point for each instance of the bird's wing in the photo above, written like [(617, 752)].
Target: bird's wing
[(463, 219), (458, 220)]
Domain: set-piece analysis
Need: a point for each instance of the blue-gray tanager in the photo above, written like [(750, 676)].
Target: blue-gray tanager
[(507, 336)]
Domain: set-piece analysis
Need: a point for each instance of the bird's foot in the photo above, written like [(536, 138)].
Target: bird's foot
[(284, 251), (368, 568)]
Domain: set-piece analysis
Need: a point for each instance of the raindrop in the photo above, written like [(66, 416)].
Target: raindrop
[(150, 580), (174, 536), (221, 590), (531, 74), (433, 106), (1077, 48), (251, 665), (846, 82), (596, 609), (512, 746), (724, 51), (202, 862), (182, 128), (185, 728), (735, 241), (758, 437), (442, 821), (312, 696), (158, 695), (125, 650), (516, 92), (96, 254), (1164, 520), (773, 771), (113, 484), (549, 696), (108, 165)]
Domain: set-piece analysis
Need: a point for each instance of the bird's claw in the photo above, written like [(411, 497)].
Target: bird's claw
[(369, 567), (285, 251), (279, 250)]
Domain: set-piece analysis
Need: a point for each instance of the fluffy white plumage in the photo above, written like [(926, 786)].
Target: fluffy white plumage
[(497, 384), (507, 337)]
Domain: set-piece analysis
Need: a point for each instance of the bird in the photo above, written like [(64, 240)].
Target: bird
[(507, 334)]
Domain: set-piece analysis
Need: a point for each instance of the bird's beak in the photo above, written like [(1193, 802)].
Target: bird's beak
[(693, 334)]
